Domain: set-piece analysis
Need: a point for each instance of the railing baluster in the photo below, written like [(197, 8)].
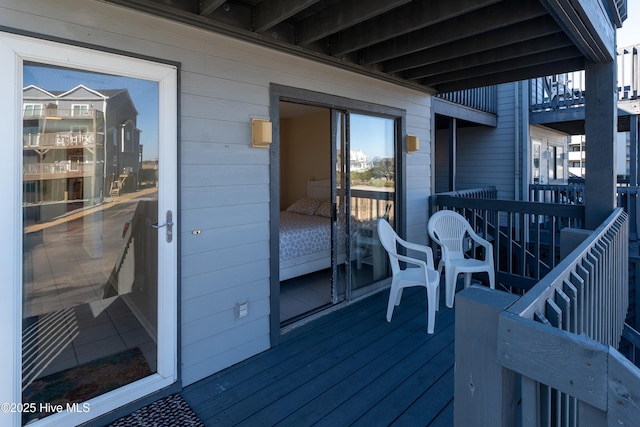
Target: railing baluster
[(524, 234), (587, 267), (584, 295), (578, 282)]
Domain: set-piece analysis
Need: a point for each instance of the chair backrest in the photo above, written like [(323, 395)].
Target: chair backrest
[(388, 238), (448, 229)]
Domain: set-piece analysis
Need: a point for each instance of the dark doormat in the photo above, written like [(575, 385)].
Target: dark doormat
[(83, 382), (171, 411)]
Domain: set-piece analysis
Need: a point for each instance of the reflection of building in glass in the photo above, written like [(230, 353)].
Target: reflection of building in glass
[(359, 161), (79, 145)]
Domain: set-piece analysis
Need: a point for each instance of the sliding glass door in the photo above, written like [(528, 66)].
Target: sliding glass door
[(365, 182), (98, 255), (344, 154), (340, 222), (372, 183)]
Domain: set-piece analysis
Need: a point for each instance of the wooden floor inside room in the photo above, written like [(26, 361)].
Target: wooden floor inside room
[(350, 367)]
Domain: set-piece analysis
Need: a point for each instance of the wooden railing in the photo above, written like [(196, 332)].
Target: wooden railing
[(558, 91), (369, 205), (627, 197), (525, 235), (64, 169), (628, 72), (483, 99), (549, 357), (567, 90), (62, 139), (57, 113)]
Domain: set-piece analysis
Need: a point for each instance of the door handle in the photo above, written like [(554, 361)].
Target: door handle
[(168, 224)]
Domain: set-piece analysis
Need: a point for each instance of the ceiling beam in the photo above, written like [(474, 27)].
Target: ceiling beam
[(516, 33), (588, 25), (555, 67), (270, 13), (340, 16), (499, 55), (469, 25), (505, 66), (414, 16), (207, 7)]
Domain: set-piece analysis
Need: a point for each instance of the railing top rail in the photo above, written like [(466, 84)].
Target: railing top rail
[(529, 303), (535, 208), (470, 192)]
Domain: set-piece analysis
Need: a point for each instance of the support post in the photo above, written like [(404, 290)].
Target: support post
[(633, 151), (600, 131), (485, 393), (634, 198), (453, 142)]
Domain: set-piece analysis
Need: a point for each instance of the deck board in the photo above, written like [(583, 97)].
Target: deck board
[(348, 367)]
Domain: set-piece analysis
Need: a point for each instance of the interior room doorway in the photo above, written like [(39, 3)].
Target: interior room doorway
[(337, 177)]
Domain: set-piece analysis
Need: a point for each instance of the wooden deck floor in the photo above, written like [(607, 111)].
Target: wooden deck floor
[(349, 367)]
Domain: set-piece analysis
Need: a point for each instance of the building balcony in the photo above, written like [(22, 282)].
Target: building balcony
[(349, 367), (60, 113), (62, 139), (59, 170), (558, 100), (483, 99), (352, 367)]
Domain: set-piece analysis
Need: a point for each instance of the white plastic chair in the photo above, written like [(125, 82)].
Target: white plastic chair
[(449, 229), (425, 275)]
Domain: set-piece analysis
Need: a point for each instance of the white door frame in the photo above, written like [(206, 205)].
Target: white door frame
[(14, 50)]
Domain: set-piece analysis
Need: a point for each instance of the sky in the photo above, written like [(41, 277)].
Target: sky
[(143, 93), (373, 135), (629, 34)]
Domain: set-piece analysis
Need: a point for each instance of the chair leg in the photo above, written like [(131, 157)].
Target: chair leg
[(432, 303), (467, 280), (393, 297), (399, 296), (492, 278), (450, 276)]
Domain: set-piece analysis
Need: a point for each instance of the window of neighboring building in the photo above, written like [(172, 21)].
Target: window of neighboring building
[(80, 110), (32, 110), (559, 156)]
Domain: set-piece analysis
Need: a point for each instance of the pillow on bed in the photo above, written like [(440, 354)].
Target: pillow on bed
[(304, 206), (324, 209)]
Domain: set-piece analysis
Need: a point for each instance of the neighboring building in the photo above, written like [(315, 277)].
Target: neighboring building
[(577, 158), (496, 145), (182, 279), (532, 132), (80, 146)]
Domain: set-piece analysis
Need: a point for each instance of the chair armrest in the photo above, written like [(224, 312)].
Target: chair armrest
[(483, 242), (419, 248), (409, 260)]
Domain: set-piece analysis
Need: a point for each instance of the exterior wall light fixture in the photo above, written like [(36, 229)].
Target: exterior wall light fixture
[(261, 133), (413, 143)]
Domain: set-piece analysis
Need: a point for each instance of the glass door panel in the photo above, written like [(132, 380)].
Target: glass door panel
[(90, 236), (340, 225), (372, 181)]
